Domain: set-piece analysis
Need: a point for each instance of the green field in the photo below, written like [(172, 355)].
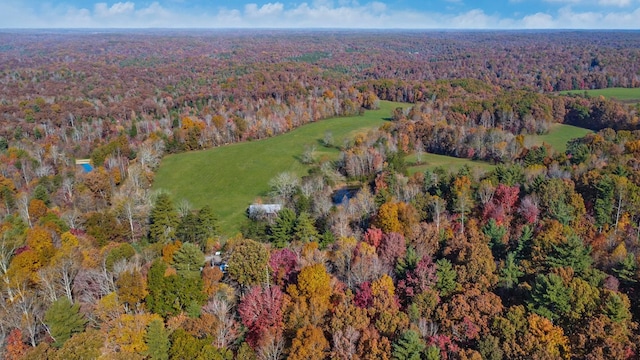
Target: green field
[(558, 136), (230, 178), (432, 161), (628, 95)]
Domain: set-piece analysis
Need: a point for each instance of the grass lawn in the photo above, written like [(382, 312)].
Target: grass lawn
[(230, 178), (431, 161), (558, 136), (628, 95)]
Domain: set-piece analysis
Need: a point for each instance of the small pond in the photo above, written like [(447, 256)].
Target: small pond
[(343, 194)]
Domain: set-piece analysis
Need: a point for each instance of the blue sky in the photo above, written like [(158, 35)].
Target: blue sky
[(404, 14)]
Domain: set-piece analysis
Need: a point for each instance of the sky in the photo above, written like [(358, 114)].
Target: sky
[(356, 14)]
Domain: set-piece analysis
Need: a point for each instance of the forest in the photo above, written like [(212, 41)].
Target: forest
[(535, 257)]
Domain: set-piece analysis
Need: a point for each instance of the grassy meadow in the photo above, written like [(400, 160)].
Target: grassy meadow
[(627, 95), (432, 161), (558, 136), (229, 178)]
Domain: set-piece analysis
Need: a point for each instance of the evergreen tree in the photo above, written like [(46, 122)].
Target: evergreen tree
[(188, 261), (187, 230), (550, 297), (408, 347), (408, 262), (495, 233), (170, 295), (511, 272), (305, 230), (432, 353), (207, 227), (42, 194), (446, 282), (572, 253), (626, 269), (64, 319), (157, 340), (523, 249), (281, 233), (158, 300), (163, 220), (616, 308), (603, 207)]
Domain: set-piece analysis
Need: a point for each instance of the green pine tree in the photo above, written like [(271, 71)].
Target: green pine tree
[(408, 347), (511, 272), (603, 206), (626, 269), (495, 233), (446, 282), (616, 308), (188, 260), (208, 226), (572, 253), (157, 340), (281, 233), (408, 262), (550, 297), (64, 319), (158, 300), (163, 220), (187, 230), (305, 230)]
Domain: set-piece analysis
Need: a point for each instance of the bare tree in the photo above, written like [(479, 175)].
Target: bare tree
[(23, 207), (272, 348), (284, 186), (226, 331)]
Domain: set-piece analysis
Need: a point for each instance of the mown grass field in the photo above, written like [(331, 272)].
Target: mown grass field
[(558, 136), (432, 161), (628, 95), (230, 178)]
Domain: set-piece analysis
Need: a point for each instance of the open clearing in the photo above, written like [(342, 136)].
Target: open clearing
[(432, 161), (627, 95), (229, 178), (558, 136)]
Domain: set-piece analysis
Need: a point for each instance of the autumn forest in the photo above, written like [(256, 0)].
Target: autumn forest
[(534, 255)]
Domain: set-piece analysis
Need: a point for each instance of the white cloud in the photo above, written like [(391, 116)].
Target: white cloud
[(538, 21), (270, 9), (619, 3), (313, 13), (117, 9)]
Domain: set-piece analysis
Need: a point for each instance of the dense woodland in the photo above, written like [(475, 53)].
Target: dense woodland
[(536, 259)]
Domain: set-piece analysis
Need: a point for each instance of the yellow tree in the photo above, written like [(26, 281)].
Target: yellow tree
[(309, 344), (128, 333), (545, 340), (309, 298), (387, 218)]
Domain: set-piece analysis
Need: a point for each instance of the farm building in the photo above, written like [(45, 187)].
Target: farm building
[(269, 210)]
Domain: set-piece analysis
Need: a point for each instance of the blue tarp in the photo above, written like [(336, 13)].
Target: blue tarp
[(86, 167)]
